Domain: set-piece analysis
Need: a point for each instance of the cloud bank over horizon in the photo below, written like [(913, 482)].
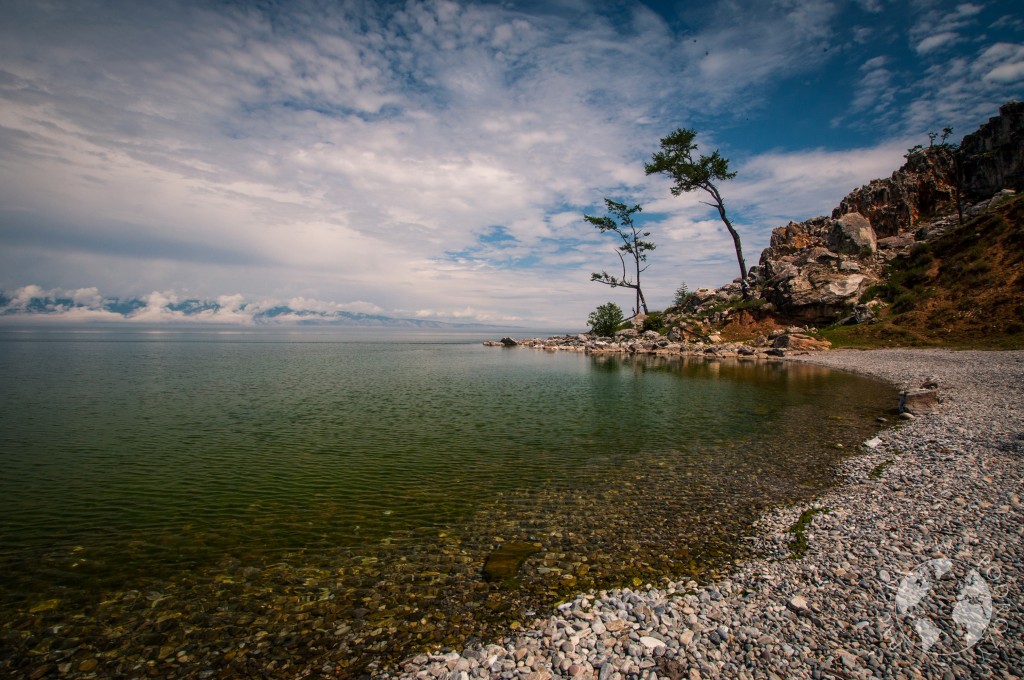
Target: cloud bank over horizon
[(433, 159), (32, 304)]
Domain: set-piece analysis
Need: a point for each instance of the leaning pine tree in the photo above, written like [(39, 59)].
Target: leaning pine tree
[(676, 160)]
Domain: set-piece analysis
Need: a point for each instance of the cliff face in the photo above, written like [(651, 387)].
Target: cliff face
[(993, 157), (924, 186), (815, 271)]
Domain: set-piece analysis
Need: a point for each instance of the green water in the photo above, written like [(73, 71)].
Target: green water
[(363, 480)]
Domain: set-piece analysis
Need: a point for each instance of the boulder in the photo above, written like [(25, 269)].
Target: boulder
[(800, 343), (817, 255), (816, 270), (796, 237), (852, 234), (816, 293), (896, 243), (919, 401), (861, 314)]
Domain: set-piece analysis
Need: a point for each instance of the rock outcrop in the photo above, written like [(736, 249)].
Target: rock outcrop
[(923, 187), (993, 157), (852, 234), (816, 271)]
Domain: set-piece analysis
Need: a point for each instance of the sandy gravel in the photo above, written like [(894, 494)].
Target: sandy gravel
[(913, 566)]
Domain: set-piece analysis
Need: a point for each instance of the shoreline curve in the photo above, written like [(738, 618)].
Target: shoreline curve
[(942, 489)]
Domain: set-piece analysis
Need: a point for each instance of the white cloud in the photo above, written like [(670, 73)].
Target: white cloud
[(941, 28), (876, 90), (1002, 63), (873, 6), (936, 41), (800, 185), (358, 306), (1006, 73)]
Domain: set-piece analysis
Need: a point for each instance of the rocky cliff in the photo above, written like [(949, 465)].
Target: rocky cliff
[(816, 271), (993, 157)]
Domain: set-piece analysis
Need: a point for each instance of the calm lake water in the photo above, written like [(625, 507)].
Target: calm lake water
[(179, 501)]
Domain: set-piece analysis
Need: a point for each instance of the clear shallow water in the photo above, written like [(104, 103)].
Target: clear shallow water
[(360, 481)]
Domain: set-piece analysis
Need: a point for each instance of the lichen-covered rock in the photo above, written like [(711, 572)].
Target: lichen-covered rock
[(798, 236)]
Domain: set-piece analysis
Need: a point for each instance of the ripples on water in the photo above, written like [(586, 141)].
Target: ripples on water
[(214, 492)]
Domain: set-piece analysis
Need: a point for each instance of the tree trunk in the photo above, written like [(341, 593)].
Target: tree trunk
[(735, 239)]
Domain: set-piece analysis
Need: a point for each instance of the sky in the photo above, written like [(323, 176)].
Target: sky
[(434, 159)]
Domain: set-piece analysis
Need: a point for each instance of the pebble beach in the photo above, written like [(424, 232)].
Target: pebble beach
[(911, 567)]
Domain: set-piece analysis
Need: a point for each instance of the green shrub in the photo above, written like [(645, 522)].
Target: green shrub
[(654, 322), (605, 319), (904, 302), (882, 291), (751, 303)]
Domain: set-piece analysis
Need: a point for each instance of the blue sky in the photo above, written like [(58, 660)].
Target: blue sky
[(434, 159)]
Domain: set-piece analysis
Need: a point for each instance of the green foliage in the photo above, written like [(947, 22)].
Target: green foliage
[(880, 291), (676, 159), (798, 546), (908, 280), (749, 303), (943, 138), (904, 302), (620, 222), (683, 296), (654, 321), (605, 319), (875, 335)]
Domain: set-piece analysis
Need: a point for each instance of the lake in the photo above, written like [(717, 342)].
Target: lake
[(193, 502)]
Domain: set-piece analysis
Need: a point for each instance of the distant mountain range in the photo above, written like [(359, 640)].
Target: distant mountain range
[(33, 302)]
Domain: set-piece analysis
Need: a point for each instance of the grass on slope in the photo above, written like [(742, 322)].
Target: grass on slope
[(965, 289)]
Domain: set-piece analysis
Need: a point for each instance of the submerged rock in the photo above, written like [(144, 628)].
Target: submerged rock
[(503, 564)]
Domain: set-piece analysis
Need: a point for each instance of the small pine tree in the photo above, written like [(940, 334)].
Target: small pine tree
[(605, 319), (683, 295)]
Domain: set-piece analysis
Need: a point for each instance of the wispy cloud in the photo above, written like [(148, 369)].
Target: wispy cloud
[(419, 155), (941, 27)]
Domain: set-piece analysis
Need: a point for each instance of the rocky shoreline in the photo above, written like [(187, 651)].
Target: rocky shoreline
[(778, 343), (912, 568)]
